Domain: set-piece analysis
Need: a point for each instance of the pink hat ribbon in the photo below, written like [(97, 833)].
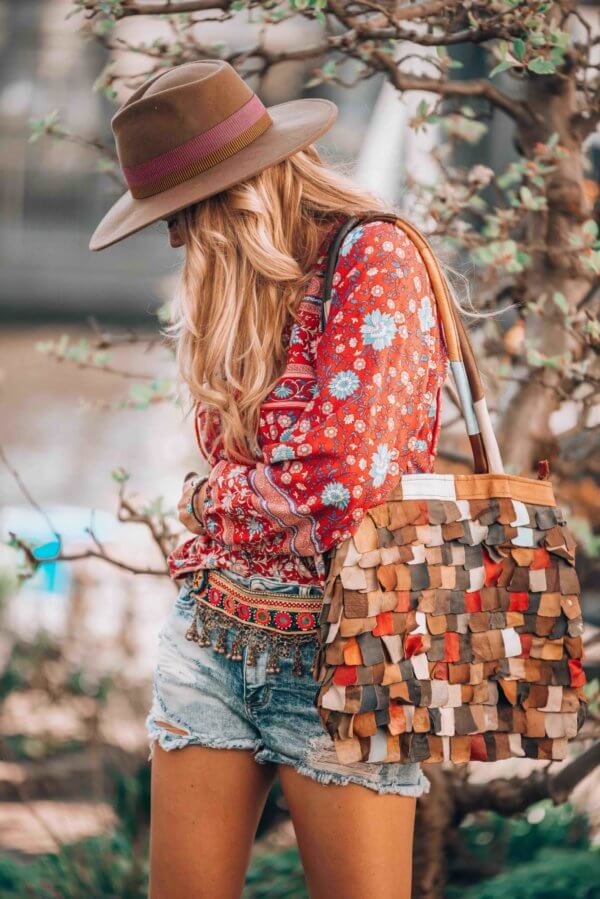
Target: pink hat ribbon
[(199, 153)]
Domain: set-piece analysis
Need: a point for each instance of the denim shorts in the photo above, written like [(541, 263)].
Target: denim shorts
[(229, 704)]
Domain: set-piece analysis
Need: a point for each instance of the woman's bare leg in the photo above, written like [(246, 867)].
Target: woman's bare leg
[(353, 842), (206, 804)]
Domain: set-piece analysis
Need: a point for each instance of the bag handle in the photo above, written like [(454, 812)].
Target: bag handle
[(465, 372)]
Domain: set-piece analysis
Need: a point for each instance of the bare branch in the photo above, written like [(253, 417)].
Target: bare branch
[(84, 554), (404, 81), (510, 796), (163, 7), (25, 491)]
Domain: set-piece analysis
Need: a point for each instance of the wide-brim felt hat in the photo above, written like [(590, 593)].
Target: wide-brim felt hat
[(191, 132)]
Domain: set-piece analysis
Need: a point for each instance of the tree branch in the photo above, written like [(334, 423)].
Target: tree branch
[(403, 81), (163, 7), (510, 796), (85, 554)]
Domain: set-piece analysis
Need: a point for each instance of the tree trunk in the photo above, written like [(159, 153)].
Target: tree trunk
[(525, 429)]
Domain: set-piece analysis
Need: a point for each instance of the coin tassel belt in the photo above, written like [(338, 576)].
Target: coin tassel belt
[(281, 624)]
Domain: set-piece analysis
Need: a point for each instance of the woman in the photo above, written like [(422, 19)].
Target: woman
[(303, 431)]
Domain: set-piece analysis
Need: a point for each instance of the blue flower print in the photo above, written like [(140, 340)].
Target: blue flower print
[(254, 525), (420, 446), (335, 494), (350, 239), (295, 336), (344, 384), (282, 391), (426, 318), (380, 464), (378, 330), (280, 453)]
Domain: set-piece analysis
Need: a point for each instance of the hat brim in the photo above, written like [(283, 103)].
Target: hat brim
[(296, 124)]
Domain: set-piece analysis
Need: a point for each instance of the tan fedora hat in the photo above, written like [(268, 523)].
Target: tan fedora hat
[(193, 131)]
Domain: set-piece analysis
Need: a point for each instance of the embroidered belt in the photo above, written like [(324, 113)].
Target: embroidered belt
[(259, 620)]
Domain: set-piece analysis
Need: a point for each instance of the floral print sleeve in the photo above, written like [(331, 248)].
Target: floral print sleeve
[(379, 366)]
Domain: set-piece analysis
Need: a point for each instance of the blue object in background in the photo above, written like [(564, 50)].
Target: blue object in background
[(72, 523)]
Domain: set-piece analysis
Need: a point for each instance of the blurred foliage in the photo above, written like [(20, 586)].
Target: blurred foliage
[(40, 663), (554, 873), (275, 876), (104, 866), (131, 801), (544, 854), (489, 839)]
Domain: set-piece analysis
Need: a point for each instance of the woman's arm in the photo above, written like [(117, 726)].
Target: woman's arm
[(379, 367)]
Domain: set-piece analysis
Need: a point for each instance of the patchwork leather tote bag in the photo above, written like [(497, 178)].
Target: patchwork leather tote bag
[(451, 626)]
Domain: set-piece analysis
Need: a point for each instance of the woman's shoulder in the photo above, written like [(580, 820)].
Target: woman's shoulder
[(381, 234), (379, 244)]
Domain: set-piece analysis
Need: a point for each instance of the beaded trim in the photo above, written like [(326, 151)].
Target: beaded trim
[(257, 620)]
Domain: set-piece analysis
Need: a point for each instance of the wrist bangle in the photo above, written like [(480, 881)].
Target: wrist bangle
[(192, 507)]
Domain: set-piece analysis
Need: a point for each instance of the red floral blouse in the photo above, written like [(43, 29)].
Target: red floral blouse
[(356, 407)]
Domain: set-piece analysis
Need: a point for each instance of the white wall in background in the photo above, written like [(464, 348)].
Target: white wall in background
[(392, 149)]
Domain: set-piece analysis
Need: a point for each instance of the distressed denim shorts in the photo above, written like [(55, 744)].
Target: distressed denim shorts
[(213, 701)]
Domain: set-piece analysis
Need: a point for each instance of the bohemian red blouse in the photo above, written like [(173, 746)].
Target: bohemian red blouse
[(356, 407)]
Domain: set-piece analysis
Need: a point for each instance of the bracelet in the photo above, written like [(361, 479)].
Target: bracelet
[(190, 506)]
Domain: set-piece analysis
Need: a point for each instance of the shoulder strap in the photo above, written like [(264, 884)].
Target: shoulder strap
[(465, 372)]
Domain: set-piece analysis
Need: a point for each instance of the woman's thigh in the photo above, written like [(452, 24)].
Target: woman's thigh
[(206, 804), (353, 842)]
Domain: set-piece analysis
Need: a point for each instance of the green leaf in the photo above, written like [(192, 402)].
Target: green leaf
[(484, 255), (502, 67), (591, 261), (559, 363), (561, 39), (541, 66), (491, 227), (561, 301), (140, 394), (535, 358), (103, 27), (519, 48), (522, 259), (50, 124), (526, 196), (477, 203)]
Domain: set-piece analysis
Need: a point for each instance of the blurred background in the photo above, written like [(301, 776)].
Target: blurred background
[(95, 443)]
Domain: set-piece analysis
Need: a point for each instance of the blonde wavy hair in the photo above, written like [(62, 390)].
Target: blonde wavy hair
[(249, 252)]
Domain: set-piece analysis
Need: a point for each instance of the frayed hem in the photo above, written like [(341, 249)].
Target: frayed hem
[(168, 741), (343, 780), (328, 777)]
